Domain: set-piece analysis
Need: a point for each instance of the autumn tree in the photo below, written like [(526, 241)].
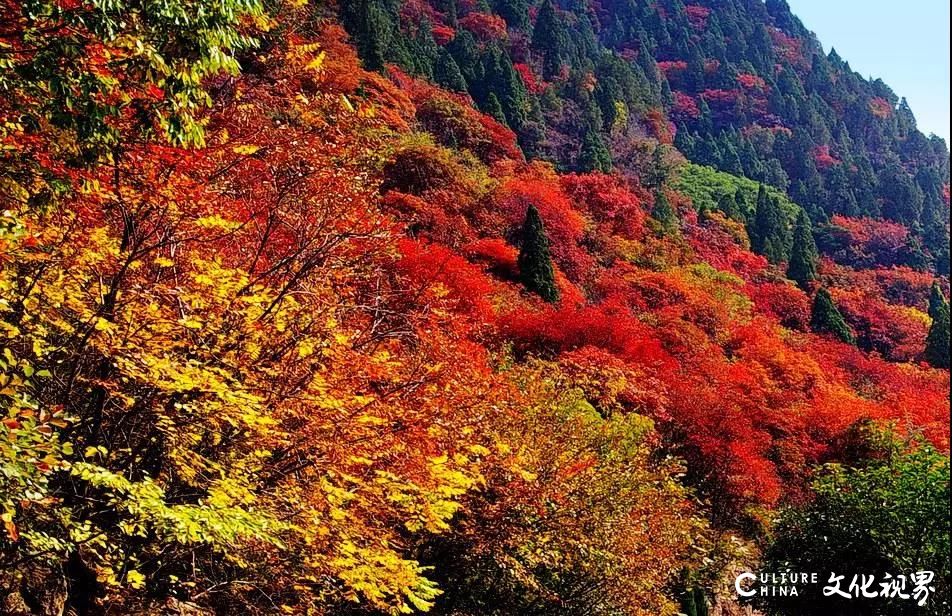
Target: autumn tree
[(535, 264), (802, 268), (825, 318)]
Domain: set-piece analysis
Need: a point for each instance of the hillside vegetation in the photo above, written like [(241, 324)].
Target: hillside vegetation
[(402, 307)]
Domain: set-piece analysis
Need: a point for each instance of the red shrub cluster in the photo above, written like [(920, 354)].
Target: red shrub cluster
[(749, 81), (685, 107), (823, 158), (880, 108), (485, 27), (697, 15)]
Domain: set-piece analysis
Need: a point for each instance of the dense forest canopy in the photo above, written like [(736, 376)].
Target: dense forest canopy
[(467, 307)]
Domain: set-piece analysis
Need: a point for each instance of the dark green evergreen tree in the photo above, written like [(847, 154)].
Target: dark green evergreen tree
[(515, 12), (494, 109), (802, 268), (664, 213), (594, 156), (825, 318), (535, 263), (937, 342), (447, 74), (768, 233), (550, 40)]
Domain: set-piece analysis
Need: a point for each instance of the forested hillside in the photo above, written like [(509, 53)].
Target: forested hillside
[(471, 309)]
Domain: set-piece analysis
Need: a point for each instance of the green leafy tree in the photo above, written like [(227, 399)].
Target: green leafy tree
[(802, 268), (937, 342), (825, 318), (535, 262), (887, 515)]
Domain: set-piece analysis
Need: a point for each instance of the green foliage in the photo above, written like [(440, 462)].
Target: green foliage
[(802, 268), (706, 186), (769, 230), (594, 156), (535, 263), (85, 69), (550, 39), (825, 318), (889, 515), (447, 74), (937, 342), (663, 213)]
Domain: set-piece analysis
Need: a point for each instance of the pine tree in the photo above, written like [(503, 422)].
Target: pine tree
[(827, 319), (447, 74), (664, 213), (937, 342), (594, 156), (535, 263), (802, 268)]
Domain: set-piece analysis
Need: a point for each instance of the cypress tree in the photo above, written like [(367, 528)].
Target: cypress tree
[(937, 299), (768, 232), (494, 108), (550, 40), (664, 213), (826, 318), (802, 268), (594, 156), (535, 263), (447, 74), (937, 342)]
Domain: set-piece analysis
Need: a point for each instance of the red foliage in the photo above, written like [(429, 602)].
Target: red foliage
[(661, 129), (443, 34), (685, 106), (865, 242), (750, 81), (823, 158), (462, 282), (485, 27), (721, 98), (697, 15), (611, 328), (564, 226), (528, 77), (607, 201), (669, 67), (789, 48), (880, 108), (782, 301)]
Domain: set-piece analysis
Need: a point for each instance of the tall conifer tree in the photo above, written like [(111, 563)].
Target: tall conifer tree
[(535, 262), (802, 268)]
